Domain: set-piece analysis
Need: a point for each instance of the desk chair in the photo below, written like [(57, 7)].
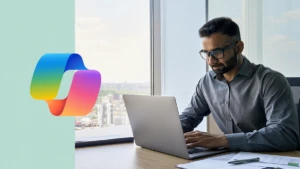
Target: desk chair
[(295, 86)]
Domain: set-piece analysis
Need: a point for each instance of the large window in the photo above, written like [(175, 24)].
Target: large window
[(113, 36), (269, 29), (281, 38)]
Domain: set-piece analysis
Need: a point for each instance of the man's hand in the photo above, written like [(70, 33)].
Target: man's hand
[(202, 139)]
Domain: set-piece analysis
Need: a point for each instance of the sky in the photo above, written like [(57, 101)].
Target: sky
[(113, 37)]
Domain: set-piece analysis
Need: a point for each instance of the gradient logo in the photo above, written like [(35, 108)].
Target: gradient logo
[(46, 81)]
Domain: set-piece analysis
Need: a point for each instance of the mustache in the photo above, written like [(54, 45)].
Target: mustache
[(216, 65)]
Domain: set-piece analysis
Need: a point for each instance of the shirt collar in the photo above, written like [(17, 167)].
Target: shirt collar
[(245, 70)]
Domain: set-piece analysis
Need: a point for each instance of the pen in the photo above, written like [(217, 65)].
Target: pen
[(244, 161)]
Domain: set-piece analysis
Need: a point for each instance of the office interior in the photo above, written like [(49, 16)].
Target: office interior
[(167, 62)]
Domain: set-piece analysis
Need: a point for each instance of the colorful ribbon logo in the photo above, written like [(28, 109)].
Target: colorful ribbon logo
[(46, 81)]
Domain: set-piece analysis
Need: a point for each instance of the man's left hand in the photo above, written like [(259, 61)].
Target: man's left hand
[(202, 139)]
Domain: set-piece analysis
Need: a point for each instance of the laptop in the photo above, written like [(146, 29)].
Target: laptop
[(155, 125)]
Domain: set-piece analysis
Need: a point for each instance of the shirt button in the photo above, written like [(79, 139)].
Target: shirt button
[(225, 102)]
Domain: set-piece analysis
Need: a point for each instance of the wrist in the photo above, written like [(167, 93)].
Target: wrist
[(224, 141)]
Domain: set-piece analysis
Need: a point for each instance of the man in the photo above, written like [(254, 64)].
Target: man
[(252, 104)]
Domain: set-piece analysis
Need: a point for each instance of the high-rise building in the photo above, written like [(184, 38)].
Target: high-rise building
[(109, 114), (99, 114), (110, 97), (105, 99), (99, 100), (116, 96), (118, 120)]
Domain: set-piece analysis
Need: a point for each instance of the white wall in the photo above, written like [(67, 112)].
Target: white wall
[(182, 66)]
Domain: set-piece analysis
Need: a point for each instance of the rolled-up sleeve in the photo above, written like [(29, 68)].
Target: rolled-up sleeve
[(282, 127), (193, 114)]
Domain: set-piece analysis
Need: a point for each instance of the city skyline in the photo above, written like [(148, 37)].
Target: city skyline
[(109, 109)]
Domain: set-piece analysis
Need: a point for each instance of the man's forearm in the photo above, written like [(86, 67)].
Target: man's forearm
[(266, 139), (193, 114), (186, 123)]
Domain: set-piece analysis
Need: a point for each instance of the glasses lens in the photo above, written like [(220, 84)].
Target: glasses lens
[(204, 55), (217, 54)]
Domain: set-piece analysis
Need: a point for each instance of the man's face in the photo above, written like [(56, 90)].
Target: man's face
[(219, 41)]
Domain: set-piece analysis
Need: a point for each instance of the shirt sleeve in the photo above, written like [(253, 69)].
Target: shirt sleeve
[(282, 127), (197, 108)]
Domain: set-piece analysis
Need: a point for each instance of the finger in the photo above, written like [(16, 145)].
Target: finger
[(192, 139), (192, 134), (198, 134), (192, 145), (203, 142), (195, 131)]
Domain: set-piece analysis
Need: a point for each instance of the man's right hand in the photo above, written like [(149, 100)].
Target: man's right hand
[(206, 140)]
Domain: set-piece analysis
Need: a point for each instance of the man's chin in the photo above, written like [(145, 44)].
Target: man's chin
[(218, 71)]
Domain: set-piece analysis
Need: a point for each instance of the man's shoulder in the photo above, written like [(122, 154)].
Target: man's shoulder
[(267, 75), (265, 72)]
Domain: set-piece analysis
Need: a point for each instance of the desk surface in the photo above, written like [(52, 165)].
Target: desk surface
[(130, 156)]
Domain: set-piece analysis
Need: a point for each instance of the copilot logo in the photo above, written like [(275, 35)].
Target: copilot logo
[(46, 81)]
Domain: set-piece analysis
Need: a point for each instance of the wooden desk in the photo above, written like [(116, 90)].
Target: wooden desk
[(130, 156)]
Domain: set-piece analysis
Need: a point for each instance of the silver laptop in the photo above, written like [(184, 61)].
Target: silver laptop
[(156, 126)]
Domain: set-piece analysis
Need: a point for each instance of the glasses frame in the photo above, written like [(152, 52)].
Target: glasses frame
[(221, 49)]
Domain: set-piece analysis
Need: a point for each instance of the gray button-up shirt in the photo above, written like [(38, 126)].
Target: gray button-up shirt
[(255, 111)]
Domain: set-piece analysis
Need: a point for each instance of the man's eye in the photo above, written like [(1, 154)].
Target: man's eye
[(217, 52)]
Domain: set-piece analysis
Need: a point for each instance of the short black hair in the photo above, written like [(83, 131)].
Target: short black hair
[(222, 25)]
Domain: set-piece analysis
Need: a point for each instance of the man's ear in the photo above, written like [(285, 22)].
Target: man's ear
[(240, 47)]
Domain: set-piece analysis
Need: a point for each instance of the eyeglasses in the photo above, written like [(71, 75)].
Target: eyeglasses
[(217, 53)]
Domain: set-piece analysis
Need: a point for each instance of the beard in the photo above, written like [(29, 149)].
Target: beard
[(229, 65)]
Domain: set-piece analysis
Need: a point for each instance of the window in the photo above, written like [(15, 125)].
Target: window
[(269, 30), (281, 38), (113, 36)]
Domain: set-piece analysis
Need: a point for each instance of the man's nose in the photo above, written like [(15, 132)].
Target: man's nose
[(211, 60)]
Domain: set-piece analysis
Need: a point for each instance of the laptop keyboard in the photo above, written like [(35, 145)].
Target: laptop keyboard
[(196, 150), (202, 149)]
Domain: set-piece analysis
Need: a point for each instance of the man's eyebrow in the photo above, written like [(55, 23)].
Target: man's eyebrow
[(212, 49)]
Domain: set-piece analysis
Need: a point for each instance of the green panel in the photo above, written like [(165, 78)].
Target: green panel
[(32, 138)]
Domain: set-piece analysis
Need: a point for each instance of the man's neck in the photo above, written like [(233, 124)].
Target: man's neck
[(231, 74)]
